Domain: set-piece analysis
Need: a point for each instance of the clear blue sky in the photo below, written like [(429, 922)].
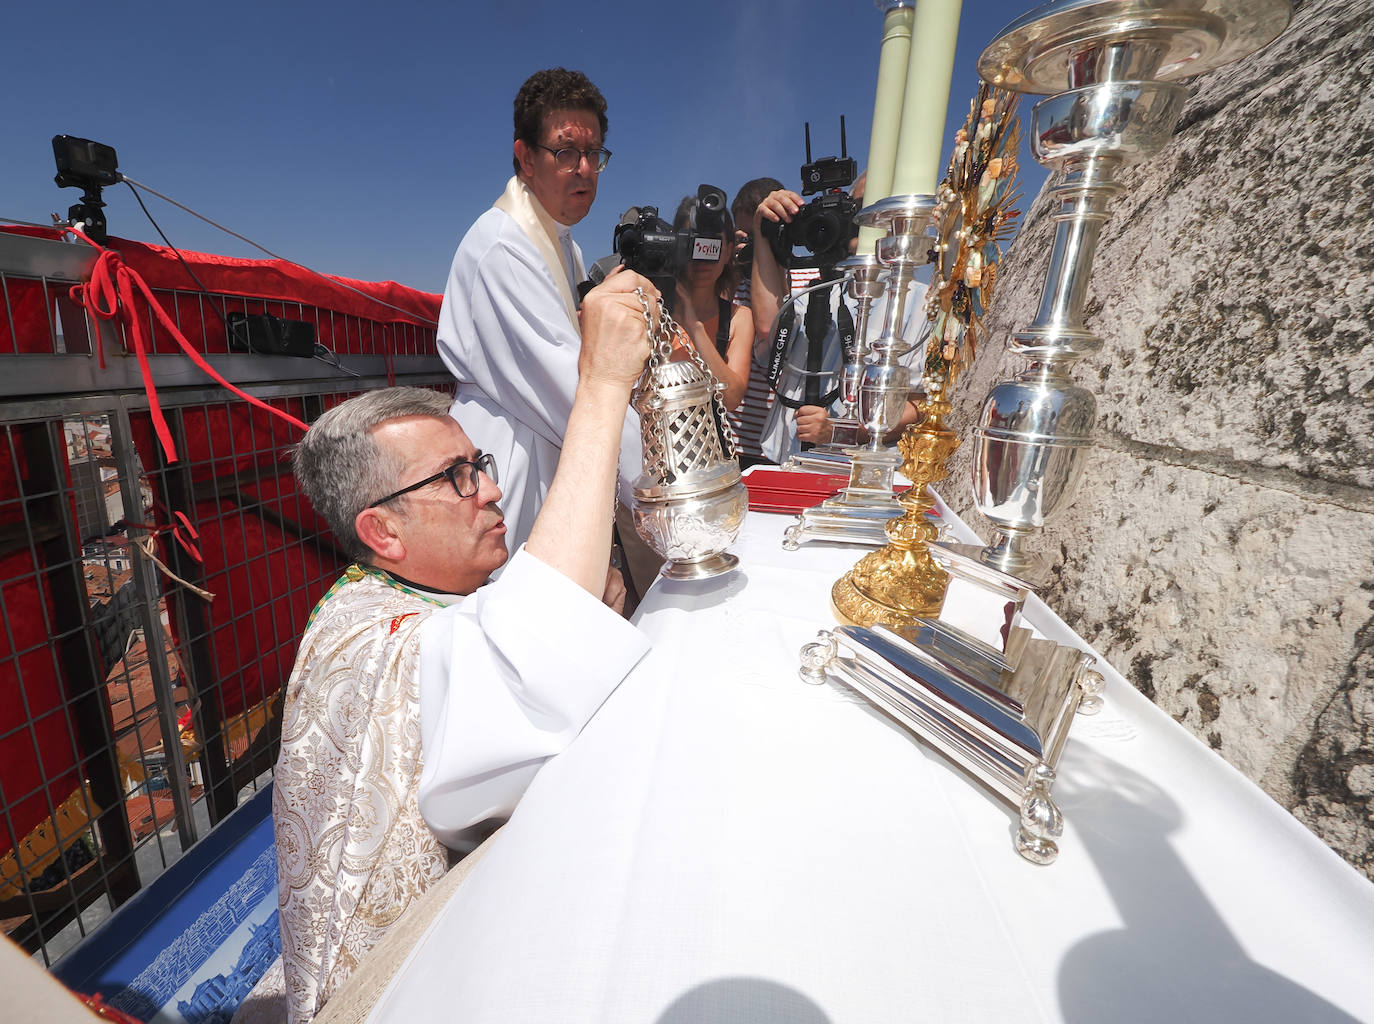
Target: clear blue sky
[(364, 139)]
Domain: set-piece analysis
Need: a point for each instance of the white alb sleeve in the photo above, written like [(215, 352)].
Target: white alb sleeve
[(508, 678)]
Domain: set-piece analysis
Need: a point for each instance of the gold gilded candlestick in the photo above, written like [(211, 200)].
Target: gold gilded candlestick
[(900, 582)]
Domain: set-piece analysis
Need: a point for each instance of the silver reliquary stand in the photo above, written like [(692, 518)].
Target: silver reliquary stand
[(977, 686)]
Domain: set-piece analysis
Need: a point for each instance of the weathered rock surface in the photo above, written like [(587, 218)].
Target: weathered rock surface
[(1221, 551)]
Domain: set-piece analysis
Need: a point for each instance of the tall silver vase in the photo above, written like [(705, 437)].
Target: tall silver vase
[(1111, 66)]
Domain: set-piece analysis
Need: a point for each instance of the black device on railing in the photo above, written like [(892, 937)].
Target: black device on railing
[(89, 166), (649, 245), (270, 335), (825, 226)]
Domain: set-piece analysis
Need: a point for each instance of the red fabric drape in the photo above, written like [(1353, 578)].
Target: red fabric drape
[(38, 749), (260, 286), (258, 537)]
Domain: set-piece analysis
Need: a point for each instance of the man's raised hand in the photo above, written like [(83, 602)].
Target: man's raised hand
[(782, 205), (615, 336)]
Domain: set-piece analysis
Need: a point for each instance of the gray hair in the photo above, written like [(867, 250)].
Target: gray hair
[(342, 469)]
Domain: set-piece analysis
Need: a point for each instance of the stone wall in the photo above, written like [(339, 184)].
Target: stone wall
[(1220, 553)]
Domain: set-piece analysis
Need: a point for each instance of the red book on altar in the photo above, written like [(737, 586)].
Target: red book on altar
[(775, 490)]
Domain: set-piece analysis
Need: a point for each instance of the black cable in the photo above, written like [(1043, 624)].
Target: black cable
[(221, 310), (327, 356), (223, 313), (335, 282)]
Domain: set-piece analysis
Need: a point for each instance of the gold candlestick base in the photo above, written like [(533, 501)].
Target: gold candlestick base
[(901, 582)]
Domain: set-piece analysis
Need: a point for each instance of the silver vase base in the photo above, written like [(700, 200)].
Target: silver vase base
[(1003, 555), (700, 569)]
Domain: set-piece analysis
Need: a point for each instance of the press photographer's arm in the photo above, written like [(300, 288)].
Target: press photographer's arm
[(768, 285)]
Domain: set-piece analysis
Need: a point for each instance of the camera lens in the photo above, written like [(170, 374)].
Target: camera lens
[(822, 232)]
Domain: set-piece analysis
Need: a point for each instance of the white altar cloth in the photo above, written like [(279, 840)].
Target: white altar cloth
[(725, 843)]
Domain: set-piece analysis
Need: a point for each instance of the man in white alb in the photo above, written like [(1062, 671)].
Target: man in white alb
[(423, 703), (508, 328)]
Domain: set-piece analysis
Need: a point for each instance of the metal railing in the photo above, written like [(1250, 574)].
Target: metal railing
[(136, 712)]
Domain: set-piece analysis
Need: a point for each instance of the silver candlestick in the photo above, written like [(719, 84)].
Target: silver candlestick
[(860, 513), (864, 283), (1111, 66)]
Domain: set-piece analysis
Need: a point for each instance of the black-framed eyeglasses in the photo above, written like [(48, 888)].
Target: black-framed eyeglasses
[(462, 475), (568, 158)]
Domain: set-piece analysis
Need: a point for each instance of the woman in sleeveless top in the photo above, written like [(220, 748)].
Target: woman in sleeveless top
[(721, 332)]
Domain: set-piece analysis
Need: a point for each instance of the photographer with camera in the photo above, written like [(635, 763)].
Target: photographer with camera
[(742, 208), (804, 397), (721, 332)]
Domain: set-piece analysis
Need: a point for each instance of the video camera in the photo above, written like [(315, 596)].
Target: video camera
[(825, 226), (649, 245), (89, 166)]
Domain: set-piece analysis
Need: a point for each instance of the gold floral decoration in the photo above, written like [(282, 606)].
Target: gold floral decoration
[(976, 217)]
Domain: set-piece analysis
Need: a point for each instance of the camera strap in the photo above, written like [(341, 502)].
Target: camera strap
[(725, 309), (816, 326)]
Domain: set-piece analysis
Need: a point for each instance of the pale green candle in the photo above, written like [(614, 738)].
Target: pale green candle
[(887, 113), (930, 67)]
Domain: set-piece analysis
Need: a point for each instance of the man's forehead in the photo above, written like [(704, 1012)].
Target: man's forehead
[(423, 437), (572, 125)]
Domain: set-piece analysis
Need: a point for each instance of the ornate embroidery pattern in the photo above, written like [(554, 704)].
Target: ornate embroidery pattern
[(352, 849)]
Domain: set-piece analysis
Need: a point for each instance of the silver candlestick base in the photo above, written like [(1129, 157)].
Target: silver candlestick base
[(1111, 65), (820, 461)]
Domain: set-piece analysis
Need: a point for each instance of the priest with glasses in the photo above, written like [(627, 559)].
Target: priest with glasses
[(424, 699)]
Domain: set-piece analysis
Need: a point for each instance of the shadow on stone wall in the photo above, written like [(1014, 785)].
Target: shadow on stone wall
[(1221, 550)]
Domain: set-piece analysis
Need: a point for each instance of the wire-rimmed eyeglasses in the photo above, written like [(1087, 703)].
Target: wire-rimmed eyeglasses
[(462, 475), (568, 158)]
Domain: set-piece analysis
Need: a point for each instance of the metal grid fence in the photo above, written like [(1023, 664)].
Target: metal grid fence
[(150, 607)]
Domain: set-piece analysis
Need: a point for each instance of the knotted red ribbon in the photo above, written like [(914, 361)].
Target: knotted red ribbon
[(111, 292)]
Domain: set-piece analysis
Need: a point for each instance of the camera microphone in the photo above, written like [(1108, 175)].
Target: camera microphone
[(598, 270), (596, 273)]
